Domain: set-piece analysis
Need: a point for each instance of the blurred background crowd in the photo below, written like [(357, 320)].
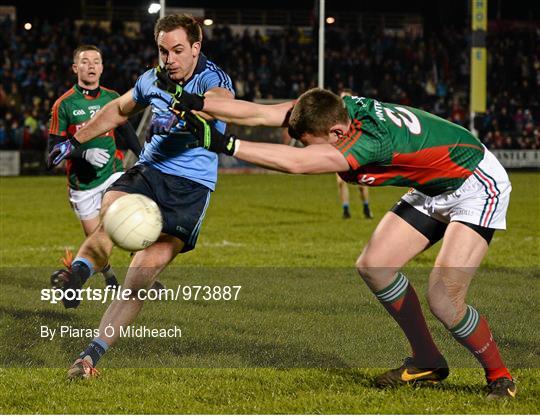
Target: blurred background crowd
[(429, 72)]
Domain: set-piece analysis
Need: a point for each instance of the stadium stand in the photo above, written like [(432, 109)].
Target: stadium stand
[(431, 72)]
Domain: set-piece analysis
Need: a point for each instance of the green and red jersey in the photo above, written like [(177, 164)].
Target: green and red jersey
[(70, 113), (390, 144)]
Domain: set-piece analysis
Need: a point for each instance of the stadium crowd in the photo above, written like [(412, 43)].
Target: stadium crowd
[(430, 72)]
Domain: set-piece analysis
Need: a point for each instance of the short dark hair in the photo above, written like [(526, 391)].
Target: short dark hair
[(83, 48), (185, 21), (315, 112)]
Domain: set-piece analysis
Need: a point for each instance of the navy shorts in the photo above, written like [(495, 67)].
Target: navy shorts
[(182, 202)]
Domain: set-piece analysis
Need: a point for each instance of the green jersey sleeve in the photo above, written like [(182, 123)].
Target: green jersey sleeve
[(59, 121)]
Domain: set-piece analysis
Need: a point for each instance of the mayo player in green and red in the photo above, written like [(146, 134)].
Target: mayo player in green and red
[(459, 193), (98, 163)]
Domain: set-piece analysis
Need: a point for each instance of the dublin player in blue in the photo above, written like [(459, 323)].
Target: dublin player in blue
[(171, 171)]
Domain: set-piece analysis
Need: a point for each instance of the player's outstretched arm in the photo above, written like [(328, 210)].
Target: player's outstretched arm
[(111, 116), (245, 113), (219, 104), (313, 159)]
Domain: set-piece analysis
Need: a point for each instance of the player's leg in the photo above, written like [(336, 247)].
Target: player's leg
[(89, 226), (462, 252), (343, 191), (475, 211), (107, 271), (143, 271), (98, 248), (402, 234), (364, 196), (183, 205), (87, 206), (145, 266), (93, 255)]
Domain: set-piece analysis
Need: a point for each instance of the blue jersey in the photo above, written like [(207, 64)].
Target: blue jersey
[(170, 153)]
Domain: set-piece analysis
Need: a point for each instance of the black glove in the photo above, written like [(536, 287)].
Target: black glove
[(181, 99), (61, 151), (207, 135)]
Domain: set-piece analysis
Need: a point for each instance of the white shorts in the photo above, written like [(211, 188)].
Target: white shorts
[(481, 200), (86, 203)]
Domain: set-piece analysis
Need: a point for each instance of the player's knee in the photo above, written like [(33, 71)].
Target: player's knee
[(99, 241), (141, 277), (440, 305), (365, 267), (371, 271), (108, 198), (445, 299), (154, 260)]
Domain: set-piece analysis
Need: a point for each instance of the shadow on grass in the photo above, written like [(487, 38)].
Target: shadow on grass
[(289, 210)]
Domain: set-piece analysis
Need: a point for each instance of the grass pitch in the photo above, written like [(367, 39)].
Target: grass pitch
[(305, 336)]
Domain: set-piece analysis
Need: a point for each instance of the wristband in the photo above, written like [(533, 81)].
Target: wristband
[(73, 140)]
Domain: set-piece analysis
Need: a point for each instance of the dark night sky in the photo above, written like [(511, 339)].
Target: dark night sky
[(438, 12)]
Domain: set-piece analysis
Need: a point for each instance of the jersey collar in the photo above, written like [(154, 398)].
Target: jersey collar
[(88, 93), (200, 67)]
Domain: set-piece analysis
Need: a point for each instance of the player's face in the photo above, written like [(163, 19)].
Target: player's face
[(179, 57), (88, 68)]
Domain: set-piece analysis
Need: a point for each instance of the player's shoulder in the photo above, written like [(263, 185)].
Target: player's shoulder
[(213, 71), (149, 76), (209, 75), (211, 66), (146, 81), (109, 92), (64, 97)]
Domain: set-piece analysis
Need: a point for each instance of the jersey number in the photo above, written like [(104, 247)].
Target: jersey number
[(402, 115)]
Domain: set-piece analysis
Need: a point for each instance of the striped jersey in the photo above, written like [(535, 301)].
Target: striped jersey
[(389, 144), (70, 113), (173, 153)]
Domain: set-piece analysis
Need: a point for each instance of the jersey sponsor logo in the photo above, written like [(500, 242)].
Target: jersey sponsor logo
[(158, 95), (79, 112), (94, 109), (81, 125)]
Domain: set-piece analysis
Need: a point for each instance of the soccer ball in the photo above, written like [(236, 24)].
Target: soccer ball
[(133, 222)]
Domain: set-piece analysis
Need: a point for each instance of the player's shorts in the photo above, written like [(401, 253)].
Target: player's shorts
[(182, 202), (482, 200), (87, 203)]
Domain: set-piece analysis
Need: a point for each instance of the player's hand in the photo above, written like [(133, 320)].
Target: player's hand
[(61, 151), (96, 156), (207, 135), (181, 99), (162, 124)]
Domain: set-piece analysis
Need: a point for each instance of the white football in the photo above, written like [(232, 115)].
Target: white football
[(133, 222)]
